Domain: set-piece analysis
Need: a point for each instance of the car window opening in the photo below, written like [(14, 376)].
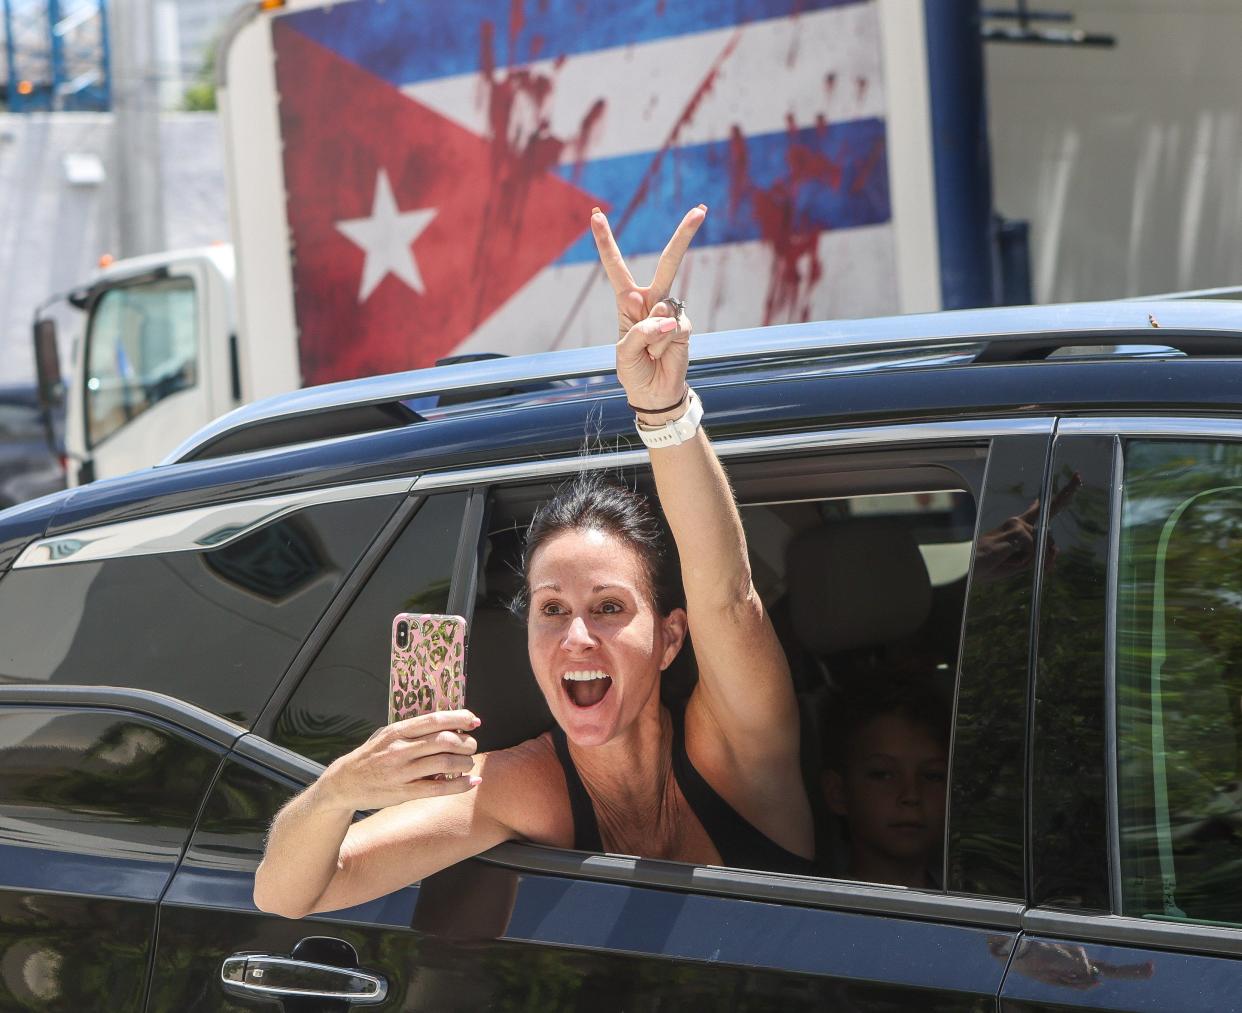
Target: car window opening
[(864, 576)]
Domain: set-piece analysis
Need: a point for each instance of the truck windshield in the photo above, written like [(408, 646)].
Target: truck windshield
[(143, 347)]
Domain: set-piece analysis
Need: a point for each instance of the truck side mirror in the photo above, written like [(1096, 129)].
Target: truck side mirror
[(47, 363)]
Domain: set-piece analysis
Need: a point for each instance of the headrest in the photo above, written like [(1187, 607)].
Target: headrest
[(856, 583)]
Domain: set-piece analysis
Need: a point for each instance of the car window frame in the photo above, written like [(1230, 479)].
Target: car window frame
[(776, 887), (1109, 927), (1002, 493), (265, 723)]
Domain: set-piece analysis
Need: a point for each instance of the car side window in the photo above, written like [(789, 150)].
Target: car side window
[(863, 574), (1179, 682), (343, 697), (143, 348), (216, 628), (95, 808)]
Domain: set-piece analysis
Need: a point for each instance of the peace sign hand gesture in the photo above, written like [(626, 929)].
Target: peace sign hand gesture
[(654, 350)]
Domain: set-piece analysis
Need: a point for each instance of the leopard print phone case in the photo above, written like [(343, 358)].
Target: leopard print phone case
[(428, 671)]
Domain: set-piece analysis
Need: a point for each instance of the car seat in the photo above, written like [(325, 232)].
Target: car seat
[(858, 597)]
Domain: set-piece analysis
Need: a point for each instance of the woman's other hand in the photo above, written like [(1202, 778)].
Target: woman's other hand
[(654, 350), (402, 761)]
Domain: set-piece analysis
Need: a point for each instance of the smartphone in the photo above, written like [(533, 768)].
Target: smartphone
[(428, 670)]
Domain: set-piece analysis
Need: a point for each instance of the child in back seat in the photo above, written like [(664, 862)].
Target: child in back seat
[(886, 754)]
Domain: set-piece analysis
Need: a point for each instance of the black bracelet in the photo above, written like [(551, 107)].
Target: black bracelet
[(660, 411)]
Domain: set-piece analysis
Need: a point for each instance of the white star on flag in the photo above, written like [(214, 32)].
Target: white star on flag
[(387, 237)]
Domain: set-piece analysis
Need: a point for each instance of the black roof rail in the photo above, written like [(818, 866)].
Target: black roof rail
[(1004, 334)]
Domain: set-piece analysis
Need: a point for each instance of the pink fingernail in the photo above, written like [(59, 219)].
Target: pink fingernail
[(667, 325), (475, 781)]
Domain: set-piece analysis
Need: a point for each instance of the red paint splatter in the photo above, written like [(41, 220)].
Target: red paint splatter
[(587, 131), (536, 46), (660, 7), (830, 82), (861, 88), (683, 120), (789, 234), (523, 147), (689, 111), (517, 21), (739, 170), (863, 175)]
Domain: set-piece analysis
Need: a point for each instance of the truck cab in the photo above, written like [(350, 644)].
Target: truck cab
[(158, 359)]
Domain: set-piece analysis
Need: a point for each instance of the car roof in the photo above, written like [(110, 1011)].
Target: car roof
[(993, 334), (951, 380)]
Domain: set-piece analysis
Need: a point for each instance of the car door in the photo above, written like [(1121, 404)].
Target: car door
[(99, 794), (333, 696), (526, 927), (1136, 815), (133, 652)]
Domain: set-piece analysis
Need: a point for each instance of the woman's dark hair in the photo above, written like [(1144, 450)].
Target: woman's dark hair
[(593, 502)]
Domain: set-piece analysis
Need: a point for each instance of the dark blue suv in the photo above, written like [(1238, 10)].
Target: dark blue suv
[(181, 649)]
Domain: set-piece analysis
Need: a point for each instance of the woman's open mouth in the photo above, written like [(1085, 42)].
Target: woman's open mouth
[(586, 688)]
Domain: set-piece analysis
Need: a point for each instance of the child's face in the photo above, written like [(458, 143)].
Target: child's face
[(893, 789)]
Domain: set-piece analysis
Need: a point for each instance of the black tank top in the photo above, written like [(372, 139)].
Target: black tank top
[(739, 843)]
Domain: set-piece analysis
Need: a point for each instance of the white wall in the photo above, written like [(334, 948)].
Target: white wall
[(53, 232), (1127, 162)]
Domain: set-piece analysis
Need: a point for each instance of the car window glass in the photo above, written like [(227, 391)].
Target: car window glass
[(987, 802), (143, 348), (1179, 682), (95, 808), (1067, 833), (866, 593), (217, 628), (86, 782), (343, 697)]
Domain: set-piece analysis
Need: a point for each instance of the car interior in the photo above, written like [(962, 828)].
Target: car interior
[(861, 560)]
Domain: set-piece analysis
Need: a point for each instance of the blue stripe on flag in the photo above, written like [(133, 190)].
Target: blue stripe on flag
[(702, 174), (406, 41)]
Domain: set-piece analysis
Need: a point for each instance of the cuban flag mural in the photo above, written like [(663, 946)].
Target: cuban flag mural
[(441, 162)]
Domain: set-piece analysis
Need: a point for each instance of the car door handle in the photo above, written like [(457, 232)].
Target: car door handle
[(261, 976)]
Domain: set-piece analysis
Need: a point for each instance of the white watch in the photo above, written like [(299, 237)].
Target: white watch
[(676, 432)]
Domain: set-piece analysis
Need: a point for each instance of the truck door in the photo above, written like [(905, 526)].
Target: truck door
[(147, 379)]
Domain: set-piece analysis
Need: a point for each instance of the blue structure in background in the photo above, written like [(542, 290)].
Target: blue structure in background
[(57, 55), (969, 273)]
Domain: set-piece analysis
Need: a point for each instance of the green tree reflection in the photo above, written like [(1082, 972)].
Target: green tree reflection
[(1179, 661)]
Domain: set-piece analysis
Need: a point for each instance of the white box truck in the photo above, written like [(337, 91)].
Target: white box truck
[(411, 180)]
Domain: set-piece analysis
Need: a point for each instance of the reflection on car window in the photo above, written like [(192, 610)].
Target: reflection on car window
[(343, 697), (1179, 674), (143, 348)]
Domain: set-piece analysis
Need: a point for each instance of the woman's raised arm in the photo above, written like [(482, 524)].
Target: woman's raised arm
[(743, 675)]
